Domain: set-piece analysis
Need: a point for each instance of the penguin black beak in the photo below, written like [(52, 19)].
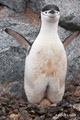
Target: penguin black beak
[(52, 12)]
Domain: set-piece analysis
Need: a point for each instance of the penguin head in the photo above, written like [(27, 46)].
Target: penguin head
[(50, 13)]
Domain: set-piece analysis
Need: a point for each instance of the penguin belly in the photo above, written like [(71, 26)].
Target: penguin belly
[(45, 70)]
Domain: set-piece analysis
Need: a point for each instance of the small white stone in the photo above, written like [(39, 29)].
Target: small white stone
[(77, 106)]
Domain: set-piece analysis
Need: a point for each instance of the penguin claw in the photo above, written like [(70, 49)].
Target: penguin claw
[(45, 102), (53, 105)]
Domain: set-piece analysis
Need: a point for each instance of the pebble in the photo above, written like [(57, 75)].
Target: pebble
[(77, 107), (14, 116), (37, 118), (3, 110)]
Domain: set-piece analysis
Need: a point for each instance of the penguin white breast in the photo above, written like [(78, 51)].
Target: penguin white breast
[(47, 59)]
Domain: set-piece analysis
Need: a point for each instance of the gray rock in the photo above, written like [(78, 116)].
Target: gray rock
[(63, 33), (36, 5), (73, 54), (70, 17), (7, 12), (4, 24), (20, 25), (12, 64), (15, 88), (70, 14), (17, 5), (12, 55)]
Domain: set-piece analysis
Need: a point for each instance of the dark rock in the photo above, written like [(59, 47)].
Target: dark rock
[(25, 115), (12, 64), (69, 11), (1, 113), (70, 20), (36, 5), (17, 5)]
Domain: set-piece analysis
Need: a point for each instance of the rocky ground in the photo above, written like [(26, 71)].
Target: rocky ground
[(15, 108), (12, 59)]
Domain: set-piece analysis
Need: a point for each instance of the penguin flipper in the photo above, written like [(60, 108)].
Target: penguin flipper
[(23, 41), (70, 38)]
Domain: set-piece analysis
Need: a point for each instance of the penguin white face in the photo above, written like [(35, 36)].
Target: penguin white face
[(51, 13)]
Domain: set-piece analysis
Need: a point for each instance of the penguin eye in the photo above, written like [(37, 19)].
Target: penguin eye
[(56, 11), (46, 12)]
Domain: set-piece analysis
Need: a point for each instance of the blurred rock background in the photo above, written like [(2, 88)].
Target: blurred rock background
[(23, 16)]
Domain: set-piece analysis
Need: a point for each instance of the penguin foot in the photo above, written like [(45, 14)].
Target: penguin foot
[(45, 102), (53, 105)]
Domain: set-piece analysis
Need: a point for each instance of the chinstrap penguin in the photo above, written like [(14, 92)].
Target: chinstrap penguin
[(46, 63)]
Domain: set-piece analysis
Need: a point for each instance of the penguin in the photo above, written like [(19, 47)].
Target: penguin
[(46, 63)]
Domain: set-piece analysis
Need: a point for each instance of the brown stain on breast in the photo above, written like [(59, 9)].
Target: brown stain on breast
[(46, 68), (49, 64), (49, 67), (51, 71)]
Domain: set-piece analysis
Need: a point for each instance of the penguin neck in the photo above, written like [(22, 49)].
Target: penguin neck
[(49, 28)]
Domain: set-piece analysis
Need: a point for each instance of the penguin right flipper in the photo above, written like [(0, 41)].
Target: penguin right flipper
[(70, 38), (23, 41)]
